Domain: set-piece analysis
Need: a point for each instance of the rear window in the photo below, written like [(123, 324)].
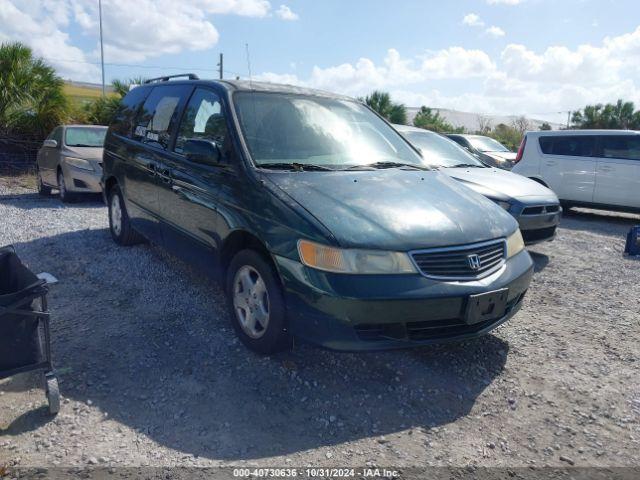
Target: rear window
[(621, 146), (159, 113), (129, 107), (575, 146)]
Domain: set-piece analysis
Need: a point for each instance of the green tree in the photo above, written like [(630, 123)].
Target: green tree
[(545, 126), (432, 120), (102, 110), (32, 100), (609, 116), (508, 135), (381, 103)]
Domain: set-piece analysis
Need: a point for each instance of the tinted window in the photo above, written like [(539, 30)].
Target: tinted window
[(577, 146), (203, 119), (129, 107), (84, 137), (158, 114), (622, 146)]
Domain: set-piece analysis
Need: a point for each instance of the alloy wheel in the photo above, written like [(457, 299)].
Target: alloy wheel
[(251, 301), (116, 215)]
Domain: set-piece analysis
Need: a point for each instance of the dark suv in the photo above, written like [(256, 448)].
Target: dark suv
[(322, 222)]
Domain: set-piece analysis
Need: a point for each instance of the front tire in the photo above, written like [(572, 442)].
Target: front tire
[(65, 195), (256, 303), (119, 223)]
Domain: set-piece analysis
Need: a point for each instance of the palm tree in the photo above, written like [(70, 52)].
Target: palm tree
[(32, 99), (381, 103)]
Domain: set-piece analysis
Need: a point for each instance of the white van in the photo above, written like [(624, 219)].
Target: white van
[(596, 168)]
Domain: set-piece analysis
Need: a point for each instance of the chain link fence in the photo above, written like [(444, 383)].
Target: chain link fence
[(18, 154)]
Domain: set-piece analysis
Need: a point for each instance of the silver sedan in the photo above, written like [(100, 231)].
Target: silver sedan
[(535, 207), (70, 160)]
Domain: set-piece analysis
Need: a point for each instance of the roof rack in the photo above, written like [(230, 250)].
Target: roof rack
[(191, 76)]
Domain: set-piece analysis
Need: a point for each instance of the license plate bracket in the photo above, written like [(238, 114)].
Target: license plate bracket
[(486, 306)]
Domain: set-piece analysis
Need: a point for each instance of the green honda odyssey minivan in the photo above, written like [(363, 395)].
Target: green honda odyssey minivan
[(323, 224)]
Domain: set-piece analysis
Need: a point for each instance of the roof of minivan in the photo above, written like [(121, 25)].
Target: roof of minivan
[(552, 133), (251, 86), (408, 128)]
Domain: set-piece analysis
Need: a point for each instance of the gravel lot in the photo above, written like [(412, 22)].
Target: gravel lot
[(152, 374)]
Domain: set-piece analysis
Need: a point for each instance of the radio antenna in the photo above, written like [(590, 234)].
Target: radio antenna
[(246, 45)]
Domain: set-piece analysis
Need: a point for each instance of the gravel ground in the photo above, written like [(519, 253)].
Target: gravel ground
[(152, 374)]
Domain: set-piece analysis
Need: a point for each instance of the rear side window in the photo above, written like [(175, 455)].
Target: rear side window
[(574, 146), (621, 146), (129, 107), (154, 124)]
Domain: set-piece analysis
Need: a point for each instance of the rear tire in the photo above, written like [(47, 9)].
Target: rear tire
[(43, 190), (256, 303), (119, 223)]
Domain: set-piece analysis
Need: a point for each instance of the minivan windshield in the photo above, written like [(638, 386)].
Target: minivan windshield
[(324, 133), (438, 151), (487, 144), (85, 137)]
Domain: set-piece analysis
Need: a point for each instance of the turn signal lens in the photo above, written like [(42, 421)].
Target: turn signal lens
[(338, 260)]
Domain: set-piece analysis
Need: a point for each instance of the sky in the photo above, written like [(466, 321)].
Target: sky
[(539, 58)]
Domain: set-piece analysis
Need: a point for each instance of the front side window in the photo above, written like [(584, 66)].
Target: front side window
[(329, 132), (203, 119), (84, 137), (158, 114), (124, 122), (487, 144), (621, 146), (573, 146), (439, 151)]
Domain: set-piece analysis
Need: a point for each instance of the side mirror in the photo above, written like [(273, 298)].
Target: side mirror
[(50, 143), (205, 152)]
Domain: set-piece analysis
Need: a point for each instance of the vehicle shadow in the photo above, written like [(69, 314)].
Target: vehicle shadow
[(148, 341), (30, 201), (540, 261), (599, 221)]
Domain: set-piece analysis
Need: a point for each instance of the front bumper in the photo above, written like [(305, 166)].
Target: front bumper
[(536, 223), (378, 312), (78, 180)]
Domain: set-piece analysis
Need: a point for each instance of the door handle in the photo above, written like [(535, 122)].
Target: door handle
[(551, 163), (165, 175)]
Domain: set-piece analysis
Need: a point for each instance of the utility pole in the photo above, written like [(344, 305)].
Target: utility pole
[(101, 45), (220, 65), (568, 117)]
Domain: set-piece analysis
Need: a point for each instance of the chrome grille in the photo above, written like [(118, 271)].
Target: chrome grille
[(540, 209), (465, 262)]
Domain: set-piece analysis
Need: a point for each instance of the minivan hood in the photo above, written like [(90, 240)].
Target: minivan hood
[(502, 182), (86, 153), (395, 209)]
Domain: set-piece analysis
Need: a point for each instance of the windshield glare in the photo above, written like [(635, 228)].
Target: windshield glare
[(487, 144), (334, 133), (85, 137), (439, 151)]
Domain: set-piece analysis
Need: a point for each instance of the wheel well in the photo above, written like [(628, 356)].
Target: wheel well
[(539, 181), (109, 184), (237, 241)]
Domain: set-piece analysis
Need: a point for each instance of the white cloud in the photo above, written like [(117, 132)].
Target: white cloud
[(133, 31), (285, 13), (495, 31), (472, 20), (518, 80)]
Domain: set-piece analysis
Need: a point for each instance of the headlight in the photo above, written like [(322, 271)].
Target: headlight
[(78, 163), (338, 260), (515, 243)]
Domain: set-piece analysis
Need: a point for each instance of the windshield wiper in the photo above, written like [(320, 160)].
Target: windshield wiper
[(463, 165), (299, 167), (387, 164), (83, 145)]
